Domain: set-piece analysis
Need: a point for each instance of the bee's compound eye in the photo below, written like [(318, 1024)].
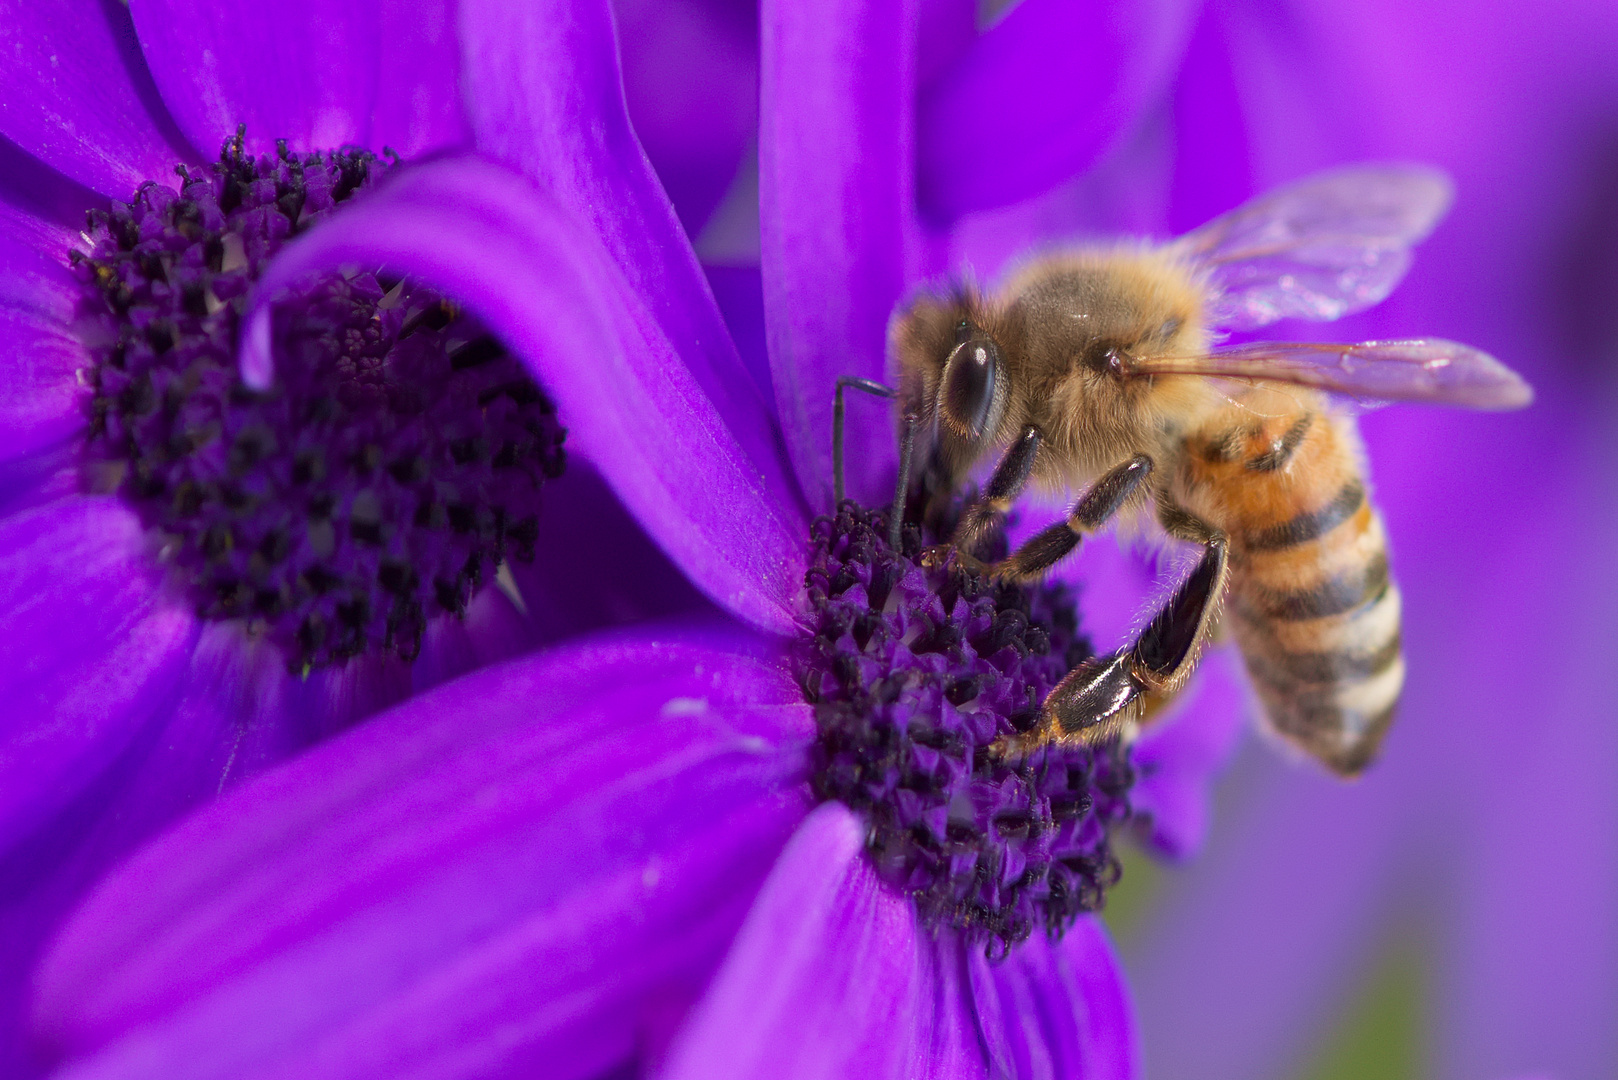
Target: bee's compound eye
[(1105, 357), (969, 385)]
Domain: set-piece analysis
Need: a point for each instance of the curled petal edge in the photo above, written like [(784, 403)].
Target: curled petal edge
[(483, 234)]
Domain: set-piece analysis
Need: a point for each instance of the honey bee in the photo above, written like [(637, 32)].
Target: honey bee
[(1106, 367)]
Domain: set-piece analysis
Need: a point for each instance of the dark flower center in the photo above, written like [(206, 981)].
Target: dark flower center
[(915, 671), (383, 478)]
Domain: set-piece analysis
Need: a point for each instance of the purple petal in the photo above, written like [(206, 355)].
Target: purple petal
[(481, 233), (1213, 172), (837, 219), (546, 97), (39, 358), (226, 718), (691, 85), (418, 89), (497, 876), (236, 711), (90, 651), (740, 293), (1250, 952), (1177, 758), (33, 190), (946, 30), (822, 980), (1056, 1009), (949, 1044), (77, 95), (318, 73), (1055, 83), (1530, 974)]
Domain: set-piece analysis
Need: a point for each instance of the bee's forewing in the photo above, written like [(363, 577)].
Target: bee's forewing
[(1326, 246), (1419, 369)]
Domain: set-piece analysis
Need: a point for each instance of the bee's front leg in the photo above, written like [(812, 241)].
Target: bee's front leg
[(987, 515)]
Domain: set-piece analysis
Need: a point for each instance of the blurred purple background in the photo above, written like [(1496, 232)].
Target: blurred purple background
[(1455, 914)]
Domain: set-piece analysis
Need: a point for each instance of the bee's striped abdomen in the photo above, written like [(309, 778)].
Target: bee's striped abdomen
[(1312, 603)]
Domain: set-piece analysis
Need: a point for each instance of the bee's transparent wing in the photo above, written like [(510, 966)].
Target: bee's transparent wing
[(1331, 244), (1420, 369)]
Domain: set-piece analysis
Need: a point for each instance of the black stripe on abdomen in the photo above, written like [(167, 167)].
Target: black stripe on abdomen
[(1334, 596), (1310, 524), (1277, 666)]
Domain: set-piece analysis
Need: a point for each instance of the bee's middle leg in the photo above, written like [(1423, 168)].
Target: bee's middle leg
[(1101, 696), (1094, 509)]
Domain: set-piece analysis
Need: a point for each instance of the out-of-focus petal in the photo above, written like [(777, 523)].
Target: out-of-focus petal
[(946, 29), (491, 878), (39, 358), (691, 85), (1056, 1009), (90, 651), (1527, 974), (1296, 892), (418, 89), (740, 293), (822, 980), (1040, 97), (1176, 760), (75, 93), (1493, 802), (1213, 172), (545, 96), (1531, 973), (318, 73), (482, 234), (836, 170)]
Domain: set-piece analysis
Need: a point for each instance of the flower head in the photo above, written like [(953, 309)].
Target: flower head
[(388, 473), (211, 560), (915, 672), (774, 848)]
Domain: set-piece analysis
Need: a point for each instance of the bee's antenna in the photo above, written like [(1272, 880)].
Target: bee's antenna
[(869, 386)]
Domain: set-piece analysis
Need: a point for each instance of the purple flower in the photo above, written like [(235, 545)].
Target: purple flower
[(540, 867), (613, 852), (200, 579)]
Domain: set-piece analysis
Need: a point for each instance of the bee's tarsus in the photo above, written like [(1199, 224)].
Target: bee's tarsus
[(866, 386), (1097, 506), (1105, 695), (987, 515), (907, 451)]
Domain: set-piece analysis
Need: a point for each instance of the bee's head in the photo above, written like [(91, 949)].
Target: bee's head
[(952, 371)]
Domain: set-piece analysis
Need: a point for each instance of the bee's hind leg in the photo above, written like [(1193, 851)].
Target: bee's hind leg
[(1106, 695)]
